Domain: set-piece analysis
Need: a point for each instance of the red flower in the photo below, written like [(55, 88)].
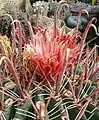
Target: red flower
[(47, 53)]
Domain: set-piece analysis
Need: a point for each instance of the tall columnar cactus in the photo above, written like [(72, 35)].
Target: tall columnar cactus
[(50, 75)]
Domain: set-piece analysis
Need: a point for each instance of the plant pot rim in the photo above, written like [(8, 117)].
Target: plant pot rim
[(93, 11), (90, 8)]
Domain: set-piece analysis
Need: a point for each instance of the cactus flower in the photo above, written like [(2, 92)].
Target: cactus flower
[(47, 53)]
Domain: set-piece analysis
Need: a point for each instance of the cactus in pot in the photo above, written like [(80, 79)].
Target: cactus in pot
[(50, 75)]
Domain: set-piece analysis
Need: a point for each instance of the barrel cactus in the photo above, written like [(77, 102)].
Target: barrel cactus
[(49, 75)]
